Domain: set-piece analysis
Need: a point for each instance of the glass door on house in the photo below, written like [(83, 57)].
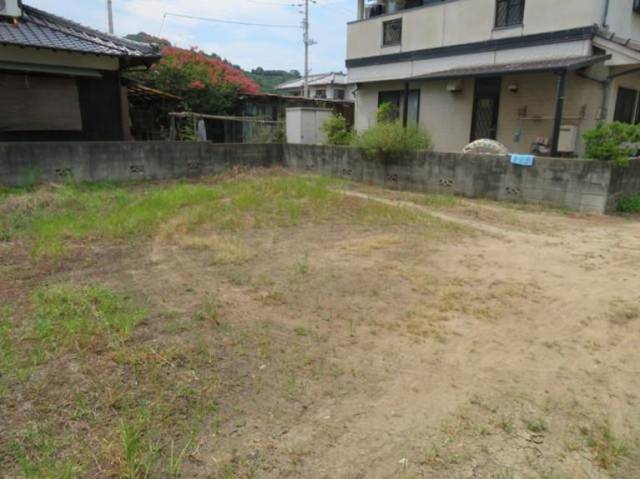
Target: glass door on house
[(486, 102)]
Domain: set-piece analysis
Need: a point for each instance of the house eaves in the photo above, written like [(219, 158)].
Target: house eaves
[(39, 29)]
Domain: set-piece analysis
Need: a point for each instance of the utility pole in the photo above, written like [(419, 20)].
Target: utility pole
[(307, 43), (110, 16)]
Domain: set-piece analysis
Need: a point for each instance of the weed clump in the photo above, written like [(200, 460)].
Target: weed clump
[(629, 204), (389, 139)]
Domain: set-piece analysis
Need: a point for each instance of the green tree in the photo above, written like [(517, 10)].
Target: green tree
[(206, 84)]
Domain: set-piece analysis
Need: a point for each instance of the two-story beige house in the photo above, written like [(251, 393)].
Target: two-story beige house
[(532, 74)]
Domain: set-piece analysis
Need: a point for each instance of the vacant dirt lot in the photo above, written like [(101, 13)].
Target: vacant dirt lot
[(266, 325)]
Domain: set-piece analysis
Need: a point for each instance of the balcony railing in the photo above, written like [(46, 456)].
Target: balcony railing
[(386, 7)]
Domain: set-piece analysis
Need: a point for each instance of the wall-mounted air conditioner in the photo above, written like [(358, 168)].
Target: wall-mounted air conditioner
[(10, 8), (568, 141)]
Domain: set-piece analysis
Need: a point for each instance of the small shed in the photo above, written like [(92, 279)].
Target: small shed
[(149, 111), (304, 125)]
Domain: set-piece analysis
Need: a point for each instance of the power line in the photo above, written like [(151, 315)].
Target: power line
[(334, 5), (279, 4), (218, 20)]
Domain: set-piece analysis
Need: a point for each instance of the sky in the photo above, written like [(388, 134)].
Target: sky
[(249, 47)]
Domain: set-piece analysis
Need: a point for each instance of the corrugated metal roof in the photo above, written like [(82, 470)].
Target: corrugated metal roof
[(547, 65), (40, 29)]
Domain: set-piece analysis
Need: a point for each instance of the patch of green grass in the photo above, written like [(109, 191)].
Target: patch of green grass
[(52, 219), (142, 431), (504, 474), (442, 456), (608, 449), (87, 211), (506, 424), (300, 331), (302, 266), (235, 469), (138, 452), (550, 474), (210, 311), (38, 453), (629, 204), (63, 316), (66, 315), (8, 354), (438, 201), (537, 425)]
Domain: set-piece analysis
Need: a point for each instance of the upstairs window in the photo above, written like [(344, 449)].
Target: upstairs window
[(509, 13), (392, 32)]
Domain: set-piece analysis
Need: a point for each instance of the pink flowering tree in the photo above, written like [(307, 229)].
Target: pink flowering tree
[(206, 84)]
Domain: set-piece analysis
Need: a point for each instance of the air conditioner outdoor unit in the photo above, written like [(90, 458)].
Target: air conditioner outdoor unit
[(10, 8), (568, 141)]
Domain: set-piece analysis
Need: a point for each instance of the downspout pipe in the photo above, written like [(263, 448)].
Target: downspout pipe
[(557, 120), (605, 14), (606, 93), (405, 105)]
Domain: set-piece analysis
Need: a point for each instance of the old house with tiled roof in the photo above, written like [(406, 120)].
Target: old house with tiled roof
[(60, 80)]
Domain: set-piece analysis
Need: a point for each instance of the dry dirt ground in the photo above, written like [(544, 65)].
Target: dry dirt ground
[(503, 344)]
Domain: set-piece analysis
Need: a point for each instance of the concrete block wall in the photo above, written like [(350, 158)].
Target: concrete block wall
[(580, 185), (573, 184), (25, 163), (625, 181)]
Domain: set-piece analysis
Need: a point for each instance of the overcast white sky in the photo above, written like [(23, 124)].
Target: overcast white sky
[(248, 47)]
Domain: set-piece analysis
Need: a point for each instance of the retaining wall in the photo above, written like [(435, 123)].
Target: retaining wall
[(589, 186), (25, 163), (625, 181)]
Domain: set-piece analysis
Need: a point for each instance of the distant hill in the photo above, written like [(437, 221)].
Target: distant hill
[(267, 79), (146, 38)]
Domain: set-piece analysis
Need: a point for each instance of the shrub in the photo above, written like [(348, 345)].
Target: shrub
[(266, 133), (387, 113), (337, 130), (389, 140), (629, 204), (612, 142)]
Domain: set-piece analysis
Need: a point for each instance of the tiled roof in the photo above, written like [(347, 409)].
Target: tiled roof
[(43, 30), (315, 80)]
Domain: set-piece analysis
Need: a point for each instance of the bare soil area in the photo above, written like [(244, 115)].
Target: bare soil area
[(487, 341)]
